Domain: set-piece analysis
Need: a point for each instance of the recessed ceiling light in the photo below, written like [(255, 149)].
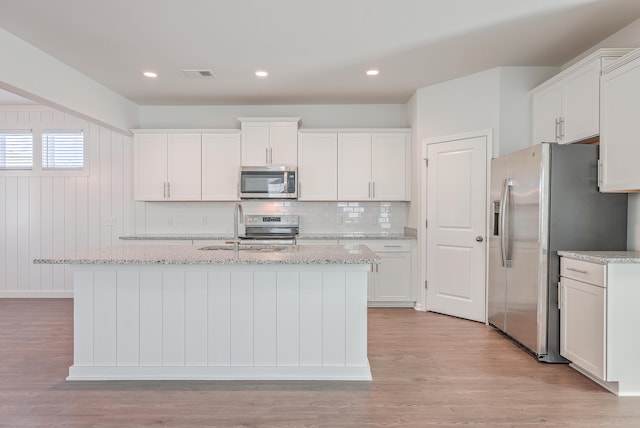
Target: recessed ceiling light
[(262, 73), (150, 74), (373, 72)]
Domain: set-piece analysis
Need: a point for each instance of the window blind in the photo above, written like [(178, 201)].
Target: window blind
[(16, 149), (62, 150)]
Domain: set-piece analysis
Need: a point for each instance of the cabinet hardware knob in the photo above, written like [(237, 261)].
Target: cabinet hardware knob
[(479, 238)]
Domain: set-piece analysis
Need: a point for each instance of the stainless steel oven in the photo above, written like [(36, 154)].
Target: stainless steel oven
[(271, 182), (270, 229)]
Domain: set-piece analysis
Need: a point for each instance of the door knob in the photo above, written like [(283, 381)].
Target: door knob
[(479, 238)]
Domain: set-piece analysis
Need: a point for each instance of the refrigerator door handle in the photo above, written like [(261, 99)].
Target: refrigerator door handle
[(504, 223)]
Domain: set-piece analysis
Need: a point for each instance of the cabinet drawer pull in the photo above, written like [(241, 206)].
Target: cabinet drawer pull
[(578, 270), (393, 246)]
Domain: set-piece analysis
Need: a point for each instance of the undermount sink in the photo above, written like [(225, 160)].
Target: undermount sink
[(261, 248)]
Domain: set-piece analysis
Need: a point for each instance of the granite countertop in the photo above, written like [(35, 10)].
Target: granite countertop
[(221, 255), (309, 236), (603, 257), (178, 237), (360, 236)]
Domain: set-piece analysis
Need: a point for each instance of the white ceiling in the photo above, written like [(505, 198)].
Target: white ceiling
[(315, 51)]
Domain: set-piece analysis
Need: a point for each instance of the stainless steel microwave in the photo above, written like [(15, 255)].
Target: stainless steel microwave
[(275, 182)]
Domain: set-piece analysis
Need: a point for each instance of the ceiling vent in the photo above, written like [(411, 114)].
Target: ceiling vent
[(199, 73)]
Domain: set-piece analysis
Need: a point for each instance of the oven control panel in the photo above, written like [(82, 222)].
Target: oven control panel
[(271, 220)]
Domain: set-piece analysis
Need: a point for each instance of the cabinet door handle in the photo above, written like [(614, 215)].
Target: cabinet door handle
[(560, 295), (578, 270), (557, 129), (600, 173), (164, 190), (299, 189), (266, 155), (270, 155), (369, 191), (392, 246), (561, 128), (169, 190), (373, 192)]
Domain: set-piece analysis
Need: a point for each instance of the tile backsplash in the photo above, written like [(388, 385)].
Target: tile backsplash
[(315, 217)]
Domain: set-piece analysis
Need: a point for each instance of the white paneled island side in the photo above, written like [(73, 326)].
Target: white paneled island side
[(182, 312)]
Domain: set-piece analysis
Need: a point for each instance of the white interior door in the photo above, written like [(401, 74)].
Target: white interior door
[(456, 227)]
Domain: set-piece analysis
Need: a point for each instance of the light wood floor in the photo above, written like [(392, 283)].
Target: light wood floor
[(428, 370)]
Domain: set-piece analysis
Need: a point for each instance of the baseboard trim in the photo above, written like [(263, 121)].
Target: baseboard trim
[(373, 304), (67, 294)]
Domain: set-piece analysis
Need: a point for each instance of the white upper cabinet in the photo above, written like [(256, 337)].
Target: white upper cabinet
[(620, 134), (167, 167), (374, 166), (269, 141), (354, 166), (566, 108), (546, 109), (150, 167), (581, 103), (390, 155), (220, 166), (318, 166)]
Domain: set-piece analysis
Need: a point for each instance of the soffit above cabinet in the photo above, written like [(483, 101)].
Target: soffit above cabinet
[(567, 69)]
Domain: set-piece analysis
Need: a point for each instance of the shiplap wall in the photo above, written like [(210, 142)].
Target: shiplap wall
[(48, 215)]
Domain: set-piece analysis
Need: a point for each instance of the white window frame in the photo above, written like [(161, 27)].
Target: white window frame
[(20, 132), (61, 132), (37, 169)]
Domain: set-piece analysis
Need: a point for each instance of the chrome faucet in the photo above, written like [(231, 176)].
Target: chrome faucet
[(238, 215)]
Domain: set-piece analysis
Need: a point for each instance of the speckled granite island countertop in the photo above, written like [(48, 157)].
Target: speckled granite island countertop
[(177, 237), (221, 255), (353, 236), (603, 257), (308, 236)]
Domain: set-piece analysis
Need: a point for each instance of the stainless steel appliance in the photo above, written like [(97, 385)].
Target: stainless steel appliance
[(274, 182), (270, 229), (544, 199)]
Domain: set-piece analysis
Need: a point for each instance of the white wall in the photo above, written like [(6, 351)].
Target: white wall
[(52, 215), (515, 106), (496, 99), (313, 116)]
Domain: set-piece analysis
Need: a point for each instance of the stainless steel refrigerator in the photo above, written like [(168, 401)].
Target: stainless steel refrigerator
[(544, 199)]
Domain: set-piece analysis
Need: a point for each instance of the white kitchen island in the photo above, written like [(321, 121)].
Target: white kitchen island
[(179, 312)]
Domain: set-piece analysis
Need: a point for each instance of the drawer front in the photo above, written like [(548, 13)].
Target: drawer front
[(381, 246), (579, 270)]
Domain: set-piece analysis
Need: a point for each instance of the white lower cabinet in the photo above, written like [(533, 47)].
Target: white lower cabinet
[(390, 281), (599, 321), (583, 324)]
